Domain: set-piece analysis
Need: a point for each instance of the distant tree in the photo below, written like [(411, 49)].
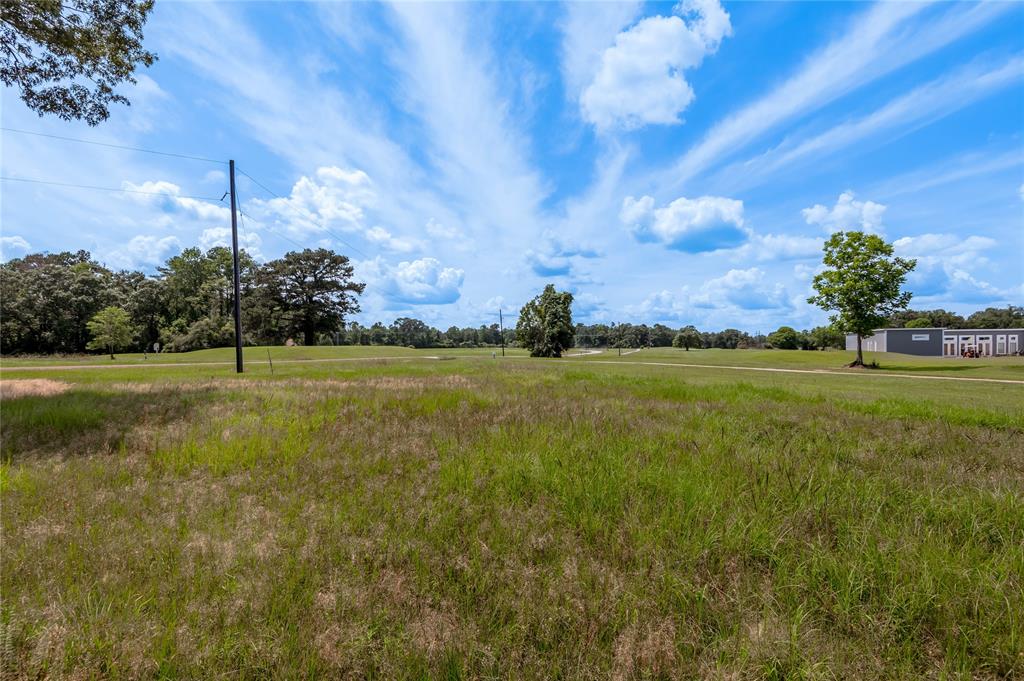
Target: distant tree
[(315, 291), (919, 323), (688, 337), (785, 338), (67, 56), (822, 337), (936, 318), (1011, 317), (861, 284), (545, 323), (111, 330)]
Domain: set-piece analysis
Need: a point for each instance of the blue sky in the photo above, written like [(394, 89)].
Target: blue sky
[(676, 163)]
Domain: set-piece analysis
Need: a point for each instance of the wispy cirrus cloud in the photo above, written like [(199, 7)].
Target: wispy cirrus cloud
[(879, 41)]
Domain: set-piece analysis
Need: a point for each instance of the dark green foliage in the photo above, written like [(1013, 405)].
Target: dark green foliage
[(67, 56), (314, 291), (825, 337), (785, 338), (919, 323), (688, 337), (1010, 317), (935, 318), (545, 323)]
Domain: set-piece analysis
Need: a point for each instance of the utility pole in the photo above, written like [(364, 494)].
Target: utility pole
[(235, 275), (501, 330)]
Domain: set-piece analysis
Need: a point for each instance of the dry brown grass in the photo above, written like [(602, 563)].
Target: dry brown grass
[(31, 387)]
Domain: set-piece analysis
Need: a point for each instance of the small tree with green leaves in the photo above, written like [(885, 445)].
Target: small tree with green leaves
[(545, 323), (919, 323), (861, 284), (111, 330), (688, 337), (785, 338)]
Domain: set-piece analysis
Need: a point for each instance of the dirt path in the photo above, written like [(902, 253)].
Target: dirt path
[(865, 372), (72, 367), (877, 374)]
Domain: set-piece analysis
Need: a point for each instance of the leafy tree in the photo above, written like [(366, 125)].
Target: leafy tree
[(688, 337), (861, 284), (1011, 317), (785, 338), (111, 329), (545, 323), (919, 323), (936, 318), (315, 291), (67, 56), (822, 337)]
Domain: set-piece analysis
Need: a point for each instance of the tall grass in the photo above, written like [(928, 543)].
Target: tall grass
[(517, 520)]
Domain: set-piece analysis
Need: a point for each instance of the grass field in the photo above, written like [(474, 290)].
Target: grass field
[(398, 516)]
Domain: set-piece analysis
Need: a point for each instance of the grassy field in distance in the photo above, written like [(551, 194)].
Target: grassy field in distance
[(475, 518)]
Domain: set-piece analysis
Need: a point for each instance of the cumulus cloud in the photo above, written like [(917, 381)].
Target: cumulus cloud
[(333, 198), (440, 231), (167, 197), (640, 79), (943, 267), (248, 241), (744, 289), (848, 214), (554, 256), (11, 245), (143, 252), (417, 282), (384, 239), (737, 293), (771, 247), (707, 223)]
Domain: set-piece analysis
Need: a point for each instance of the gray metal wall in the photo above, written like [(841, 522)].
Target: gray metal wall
[(902, 341)]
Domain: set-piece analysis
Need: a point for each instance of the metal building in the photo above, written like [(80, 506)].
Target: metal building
[(938, 342)]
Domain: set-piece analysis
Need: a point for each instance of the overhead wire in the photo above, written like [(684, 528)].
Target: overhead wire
[(110, 189), (113, 146)]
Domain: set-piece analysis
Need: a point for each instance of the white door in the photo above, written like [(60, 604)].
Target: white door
[(985, 346), (965, 342), (1001, 344), (1013, 344), (949, 347)]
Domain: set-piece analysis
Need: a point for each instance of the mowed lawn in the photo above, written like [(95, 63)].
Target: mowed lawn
[(486, 518)]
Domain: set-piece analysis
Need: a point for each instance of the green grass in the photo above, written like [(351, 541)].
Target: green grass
[(476, 518)]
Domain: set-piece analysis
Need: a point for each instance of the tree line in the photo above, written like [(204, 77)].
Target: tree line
[(47, 301)]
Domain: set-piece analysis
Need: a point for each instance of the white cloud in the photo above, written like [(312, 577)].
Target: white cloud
[(640, 80), (943, 268), (215, 177), (771, 247), (707, 223), (848, 214), (167, 196), (439, 231), (9, 245), (383, 238), (334, 198), (143, 252), (248, 241), (743, 289), (418, 282), (589, 28)]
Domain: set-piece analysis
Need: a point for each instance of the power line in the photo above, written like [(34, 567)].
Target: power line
[(271, 230), (111, 189), (278, 196), (113, 146)]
